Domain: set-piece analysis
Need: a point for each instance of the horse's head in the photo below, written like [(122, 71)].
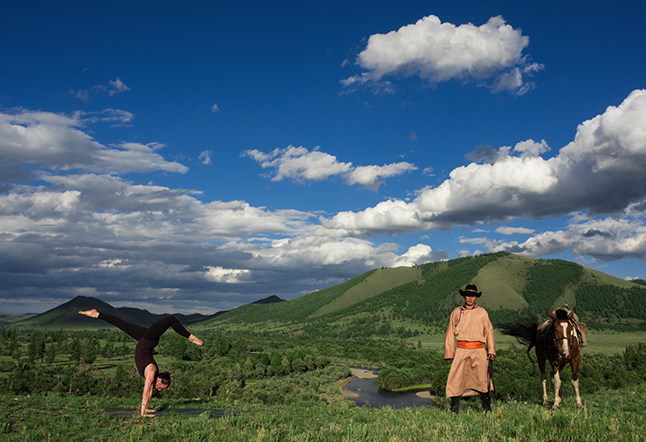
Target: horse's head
[(563, 332)]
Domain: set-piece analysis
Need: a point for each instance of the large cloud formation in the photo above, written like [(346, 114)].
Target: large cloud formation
[(438, 52), (601, 172), (71, 225)]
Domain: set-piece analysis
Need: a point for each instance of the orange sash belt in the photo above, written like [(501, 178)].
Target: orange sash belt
[(470, 345)]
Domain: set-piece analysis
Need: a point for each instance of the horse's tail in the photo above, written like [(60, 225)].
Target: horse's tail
[(524, 331)]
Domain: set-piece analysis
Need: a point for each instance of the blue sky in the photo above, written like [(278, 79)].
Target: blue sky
[(197, 156)]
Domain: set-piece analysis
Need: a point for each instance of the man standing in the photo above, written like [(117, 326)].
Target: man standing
[(469, 374)]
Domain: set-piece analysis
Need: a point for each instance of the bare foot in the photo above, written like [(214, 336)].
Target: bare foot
[(91, 313), (195, 340)]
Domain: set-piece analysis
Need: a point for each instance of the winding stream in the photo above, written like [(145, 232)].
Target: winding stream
[(369, 395)]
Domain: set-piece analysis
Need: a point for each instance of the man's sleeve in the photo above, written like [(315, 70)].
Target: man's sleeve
[(490, 339), (449, 339)]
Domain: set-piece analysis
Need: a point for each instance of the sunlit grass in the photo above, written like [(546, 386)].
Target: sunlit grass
[(607, 416)]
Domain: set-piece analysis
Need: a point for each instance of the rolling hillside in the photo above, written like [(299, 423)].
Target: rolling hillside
[(8, 319), (424, 295)]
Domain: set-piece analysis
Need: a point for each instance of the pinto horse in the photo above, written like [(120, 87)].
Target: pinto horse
[(556, 340)]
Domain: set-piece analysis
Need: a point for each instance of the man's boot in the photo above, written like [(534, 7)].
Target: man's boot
[(455, 404), (486, 401)]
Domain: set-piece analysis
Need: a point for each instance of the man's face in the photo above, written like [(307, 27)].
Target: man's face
[(470, 300)]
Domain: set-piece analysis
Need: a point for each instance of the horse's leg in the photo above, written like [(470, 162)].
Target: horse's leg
[(575, 383), (541, 367), (556, 379)]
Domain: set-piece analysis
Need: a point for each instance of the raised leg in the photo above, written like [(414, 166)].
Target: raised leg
[(133, 330), (159, 327)]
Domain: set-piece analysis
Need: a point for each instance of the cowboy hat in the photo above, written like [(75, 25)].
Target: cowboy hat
[(470, 290)]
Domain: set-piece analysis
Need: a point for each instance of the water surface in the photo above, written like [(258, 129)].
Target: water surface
[(371, 396)]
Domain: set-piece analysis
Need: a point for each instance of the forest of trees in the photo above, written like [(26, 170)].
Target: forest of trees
[(267, 369)]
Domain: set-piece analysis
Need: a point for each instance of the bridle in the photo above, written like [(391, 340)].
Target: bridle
[(555, 341)]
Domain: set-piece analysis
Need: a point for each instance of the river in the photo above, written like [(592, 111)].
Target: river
[(364, 391)]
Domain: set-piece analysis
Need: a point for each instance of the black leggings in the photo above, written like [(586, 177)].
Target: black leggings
[(151, 333)]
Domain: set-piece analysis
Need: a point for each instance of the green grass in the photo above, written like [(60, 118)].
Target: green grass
[(502, 282), (8, 319), (607, 416), (375, 284)]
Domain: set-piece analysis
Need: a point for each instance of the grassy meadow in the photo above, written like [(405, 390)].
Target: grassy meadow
[(607, 416)]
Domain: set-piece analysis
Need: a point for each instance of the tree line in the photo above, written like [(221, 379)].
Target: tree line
[(274, 369)]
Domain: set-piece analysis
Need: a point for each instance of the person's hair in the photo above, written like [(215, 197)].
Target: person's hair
[(164, 377)]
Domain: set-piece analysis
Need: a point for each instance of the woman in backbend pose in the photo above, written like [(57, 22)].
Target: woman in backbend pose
[(147, 338)]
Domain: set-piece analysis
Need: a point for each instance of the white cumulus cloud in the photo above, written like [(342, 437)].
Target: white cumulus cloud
[(300, 165), (603, 239), (57, 141), (438, 52), (229, 276), (601, 171)]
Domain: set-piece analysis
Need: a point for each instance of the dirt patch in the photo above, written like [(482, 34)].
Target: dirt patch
[(425, 395), (347, 393), (363, 373)]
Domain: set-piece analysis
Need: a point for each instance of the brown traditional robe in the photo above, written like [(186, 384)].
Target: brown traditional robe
[(469, 370)]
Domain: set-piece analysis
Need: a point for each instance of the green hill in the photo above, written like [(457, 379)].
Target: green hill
[(404, 299), (8, 319)]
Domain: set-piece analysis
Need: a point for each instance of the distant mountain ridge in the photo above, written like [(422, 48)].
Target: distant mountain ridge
[(418, 297), (66, 315)]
